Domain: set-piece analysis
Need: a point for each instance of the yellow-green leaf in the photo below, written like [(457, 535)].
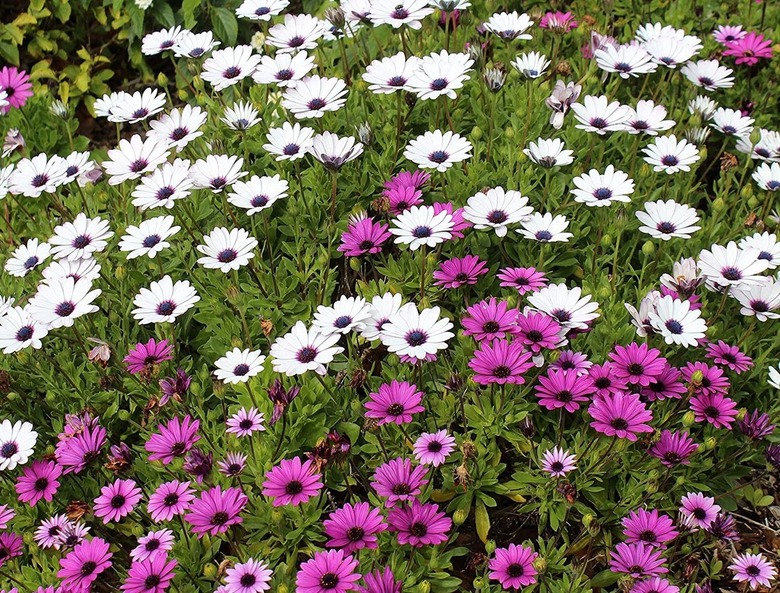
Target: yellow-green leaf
[(25, 18), (482, 520)]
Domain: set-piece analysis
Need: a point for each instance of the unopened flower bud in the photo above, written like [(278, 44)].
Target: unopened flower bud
[(645, 170), (478, 583), (695, 120), (182, 94), (120, 272), (563, 68), (424, 587), (587, 519), (459, 516), (232, 294), (696, 378), (258, 41), (494, 79), (59, 108), (365, 133), (540, 564), (688, 419), (718, 204), (755, 136), (490, 546), (197, 84), (336, 17), (710, 443), (209, 571), (747, 191), (476, 133), (162, 79)]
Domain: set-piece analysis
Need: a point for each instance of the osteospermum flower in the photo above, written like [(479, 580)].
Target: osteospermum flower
[(673, 448), (513, 566), (145, 357), (84, 564), (26, 257), (134, 158), (164, 301), (178, 127), (354, 527), (731, 357), (332, 571), (215, 510), (245, 422), (289, 142), (59, 303), (169, 500), (394, 402), (637, 363), (509, 25), (697, 510), (620, 414), (601, 189), (496, 209), (258, 193), (17, 441), (712, 379), (292, 482), (226, 249), (708, 74), (80, 239), (522, 279), (563, 389), (139, 106), (490, 319), (597, 114), (48, 532), (626, 60), (549, 152), (314, 95), (568, 306), (148, 238), (732, 266), (419, 524), (422, 225), (667, 219), (677, 322), (715, 408), (238, 366), (37, 175), (416, 334), (390, 74), (38, 481), (173, 439), (333, 151), (767, 176), (538, 331), (407, 13), (460, 271), (194, 45), (434, 448), (217, 171), (117, 500), (558, 462), (439, 74), (545, 228), (753, 569), (500, 362), (229, 66), (164, 186), (241, 116), (749, 49), (17, 87), (76, 452), (284, 69), (153, 575), (398, 481), (152, 544), (669, 155), (438, 150), (302, 350), (363, 236), (756, 425), (648, 527), (637, 560)]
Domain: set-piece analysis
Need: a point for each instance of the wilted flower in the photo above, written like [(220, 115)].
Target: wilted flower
[(560, 101)]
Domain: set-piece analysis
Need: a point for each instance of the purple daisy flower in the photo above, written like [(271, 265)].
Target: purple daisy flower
[(432, 448), (569, 360), (153, 575), (560, 22), (724, 528), (153, 543), (513, 567), (117, 500), (6, 514), (637, 560), (381, 582), (729, 356), (363, 236), (48, 532), (620, 414), (394, 402), (292, 482), (398, 481), (637, 363), (648, 527), (500, 362), (750, 49), (522, 279), (174, 387), (537, 331), (666, 385), (756, 425), (328, 572), (17, 87), (604, 380), (401, 198), (459, 224), (419, 524), (75, 452), (697, 510), (39, 480), (706, 379), (144, 357), (558, 462), (673, 448), (488, 320), (753, 569), (251, 576), (216, 510), (11, 546), (715, 408), (84, 564), (563, 389), (460, 271), (170, 499), (232, 465), (353, 527), (245, 422), (415, 179), (198, 463), (654, 585), (173, 440)]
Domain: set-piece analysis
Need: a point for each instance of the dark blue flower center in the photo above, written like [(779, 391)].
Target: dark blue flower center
[(342, 322), (396, 81), (291, 149), (438, 84), (306, 354), (166, 308), (599, 123), (421, 232), (178, 134), (602, 193), (416, 338), (9, 450), (232, 72), (259, 201), (241, 369), (674, 327), (438, 156), (64, 309), (24, 333), (731, 273), (151, 241), (497, 217), (666, 228), (39, 180), (285, 74), (315, 104), (138, 165), (31, 262), (670, 160), (227, 255), (543, 235)]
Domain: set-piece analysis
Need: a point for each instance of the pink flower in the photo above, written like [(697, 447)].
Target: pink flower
[(17, 87), (749, 49)]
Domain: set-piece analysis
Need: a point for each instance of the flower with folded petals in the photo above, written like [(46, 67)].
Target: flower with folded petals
[(549, 153), (144, 357), (333, 151)]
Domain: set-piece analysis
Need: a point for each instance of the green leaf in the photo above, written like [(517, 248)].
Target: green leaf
[(482, 520), (163, 14), (225, 25), (604, 579), (188, 12)]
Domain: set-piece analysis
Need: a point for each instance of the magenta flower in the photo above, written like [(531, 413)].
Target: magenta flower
[(637, 560), (401, 198), (39, 480), (397, 481), (620, 414), (460, 271), (715, 408), (233, 464), (654, 585), (394, 402), (537, 331), (144, 357), (637, 363), (513, 567), (725, 34), (500, 362), (560, 22), (11, 546), (666, 385), (198, 463), (281, 398), (419, 524), (557, 462), (292, 482), (522, 279), (569, 360), (84, 564), (363, 236), (673, 448), (152, 544), (174, 387), (728, 356), (353, 527), (563, 389), (74, 452), (415, 179), (604, 380), (47, 535), (173, 440), (251, 576), (713, 379), (117, 500), (432, 448), (170, 499), (750, 49), (245, 422), (328, 572), (488, 320), (753, 569), (648, 527), (153, 575), (6, 514), (17, 87), (216, 510), (698, 510), (381, 582), (459, 224), (756, 425)]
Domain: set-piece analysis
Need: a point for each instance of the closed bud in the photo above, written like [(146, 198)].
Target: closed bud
[(360, 85), (648, 248), (236, 342), (424, 587), (219, 388), (365, 133), (209, 571), (689, 419), (354, 264), (594, 528), (335, 16), (606, 240), (753, 202), (553, 356), (182, 94), (587, 519), (540, 564), (277, 516), (703, 153), (459, 516), (696, 378), (680, 481), (747, 191), (258, 41), (478, 583), (651, 487), (282, 588), (710, 443), (579, 273), (494, 79), (645, 171), (232, 294), (490, 546), (197, 84), (162, 79), (509, 132), (755, 136), (120, 272), (718, 204), (695, 120), (476, 133)]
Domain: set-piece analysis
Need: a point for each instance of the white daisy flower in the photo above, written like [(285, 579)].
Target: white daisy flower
[(766, 149), (5, 305), (241, 116), (194, 45), (774, 376), (549, 152), (677, 322), (398, 13), (334, 152), (258, 193), (391, 74), (440, 74), (708, 74), (57, 304), (297, 32), (509, 25), (641, 319), (164, 186), (290, 142), (664, 220), (627, 60), (5, 179), (545, 228), (345, 315), (216, 172), (382, 309), (134, 158), (567, 305), (669, 155), (284, 69), (648, 118), (26, 257), (139, 106), (671, 51), (302, 350), (148, 238), (731, 122), (702, 105), (107, 104), (78, 269), (356, 11), (229, 66), (496, 209), (314, 96), (77, 164), (415, 334), (179, 127), (767, 176), (732, 266), (18, 330), (767, 245), (81, 238), (601, 189), (37, 175), (650, 31), (17, 442), (238, 366), (597, 114), (226, 249), (160, 41), (164, 301), (761, 300), (261, 10), (532, 64), (437, 150), (420, 225)]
